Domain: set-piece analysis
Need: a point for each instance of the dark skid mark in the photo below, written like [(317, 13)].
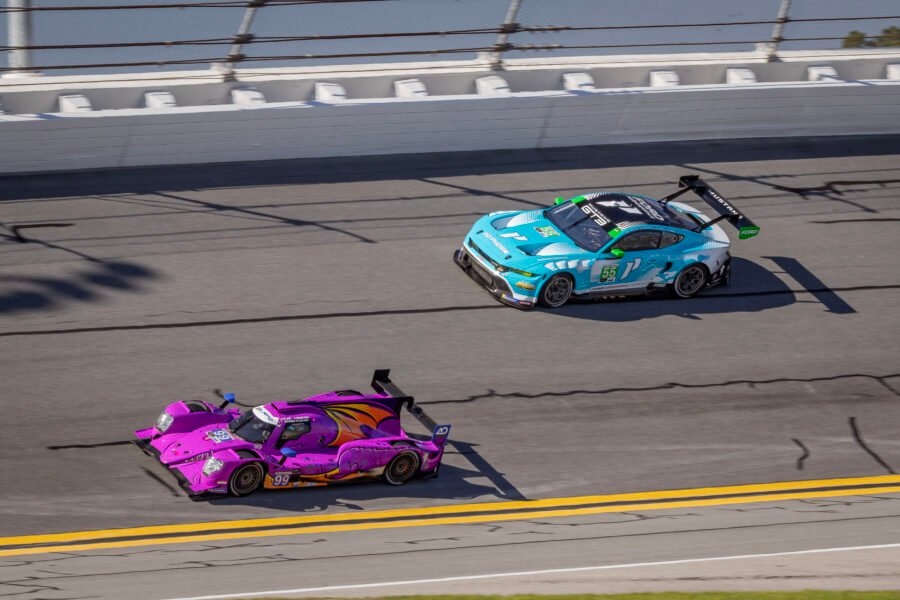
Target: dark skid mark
[(98, 445), (872, 220), (813, 285), (162, 482), (832, 186), (403, 311), (858, 437), (803, 456), (882, 379)]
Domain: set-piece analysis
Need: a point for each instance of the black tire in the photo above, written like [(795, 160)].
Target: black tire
[(690, 281), (401, 468), (246, 479), (557, 291)]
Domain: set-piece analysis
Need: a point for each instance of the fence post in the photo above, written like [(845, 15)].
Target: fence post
[(783, 11), (509, 26), (242, 37), (19, 29)]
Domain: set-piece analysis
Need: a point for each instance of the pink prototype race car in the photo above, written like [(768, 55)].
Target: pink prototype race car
[(330, 438)]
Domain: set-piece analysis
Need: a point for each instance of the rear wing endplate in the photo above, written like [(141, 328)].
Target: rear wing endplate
[(382, 384), (725, 209)]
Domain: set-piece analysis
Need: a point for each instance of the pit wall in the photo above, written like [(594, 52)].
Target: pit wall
[(859, 97)]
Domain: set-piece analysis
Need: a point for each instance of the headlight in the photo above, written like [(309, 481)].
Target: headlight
[(522, 273), (163, 422), (212, 465)]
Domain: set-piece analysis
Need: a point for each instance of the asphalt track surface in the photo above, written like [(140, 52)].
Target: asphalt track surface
[(283, 279)]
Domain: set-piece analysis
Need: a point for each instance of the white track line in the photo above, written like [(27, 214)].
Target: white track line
[(683, 561)]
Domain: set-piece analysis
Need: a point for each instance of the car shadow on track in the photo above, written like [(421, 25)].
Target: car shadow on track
[(452, 484), (754, 288)]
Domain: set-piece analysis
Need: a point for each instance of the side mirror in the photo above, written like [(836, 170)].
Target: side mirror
[(617, 252), (287, 453), (227, 398), (558, 201)]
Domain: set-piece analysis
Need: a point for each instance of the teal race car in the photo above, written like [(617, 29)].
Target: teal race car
[(603, 244)]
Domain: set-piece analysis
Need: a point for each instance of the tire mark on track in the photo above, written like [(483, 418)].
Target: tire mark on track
[(882, 379), (399, 311), (804, 456), (862, 444)]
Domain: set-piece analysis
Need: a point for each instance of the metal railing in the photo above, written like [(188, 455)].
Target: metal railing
[(20, 45)]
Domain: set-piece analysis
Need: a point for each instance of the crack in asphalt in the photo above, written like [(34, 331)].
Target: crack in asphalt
[(803, 456), (491, 393), (862, 444), (403, 311)]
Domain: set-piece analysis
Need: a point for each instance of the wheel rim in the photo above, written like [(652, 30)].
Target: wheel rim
[(558, 291), (402, 468), (690, 281), (246, 479)]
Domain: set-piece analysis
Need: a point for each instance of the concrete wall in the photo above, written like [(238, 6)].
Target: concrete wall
[(103, 139)]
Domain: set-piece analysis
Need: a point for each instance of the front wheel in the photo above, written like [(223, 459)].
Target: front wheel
[(245, 479), (557, 291), (401, 468), (690, 281)]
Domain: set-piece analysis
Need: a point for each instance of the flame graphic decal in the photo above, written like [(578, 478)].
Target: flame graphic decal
[(351, 417)]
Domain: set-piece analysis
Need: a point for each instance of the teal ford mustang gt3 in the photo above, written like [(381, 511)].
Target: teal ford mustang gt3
[(603, 244)]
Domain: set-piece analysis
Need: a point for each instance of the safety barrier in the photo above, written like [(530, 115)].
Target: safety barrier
[(417, 123)]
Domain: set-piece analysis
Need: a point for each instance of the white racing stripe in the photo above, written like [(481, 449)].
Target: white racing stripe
[(359, 586)]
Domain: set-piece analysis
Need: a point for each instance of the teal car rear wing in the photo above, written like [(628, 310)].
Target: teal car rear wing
[(727, 212)]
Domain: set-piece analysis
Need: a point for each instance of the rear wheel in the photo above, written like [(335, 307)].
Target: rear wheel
[(245, 479), (557, 291), (690, 281), (401, 468)]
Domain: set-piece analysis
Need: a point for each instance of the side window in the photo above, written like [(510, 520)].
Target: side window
[(292, 431), (668, 239), (639, 240)]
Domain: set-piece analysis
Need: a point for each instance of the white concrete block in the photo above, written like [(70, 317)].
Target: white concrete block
[(578, 81), (492, 85), (737, 76), (821, 73), (159, 100), (410, 88), (330, 92), (893, 71), (74, 103), (247, 95), (664, 79)]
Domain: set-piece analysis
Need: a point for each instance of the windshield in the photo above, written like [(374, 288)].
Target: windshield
[(580, 225), (251, 429)]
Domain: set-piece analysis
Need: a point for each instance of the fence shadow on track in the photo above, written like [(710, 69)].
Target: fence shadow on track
[(23, 293), (754, 288)]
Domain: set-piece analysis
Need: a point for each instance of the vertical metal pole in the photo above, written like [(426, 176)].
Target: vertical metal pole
[(783, 18), (19, 37), (509, 26), (242, 37)]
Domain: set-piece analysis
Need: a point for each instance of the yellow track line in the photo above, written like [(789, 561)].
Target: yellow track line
[(664, 499)]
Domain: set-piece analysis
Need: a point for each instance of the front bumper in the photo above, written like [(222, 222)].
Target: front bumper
[(178, 471), (496, 286)]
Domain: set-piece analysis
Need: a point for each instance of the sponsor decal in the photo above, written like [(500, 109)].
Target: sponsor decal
[(202, 456), (494, 240), (524, 285), (748, 232), (595, 215), (648, 210), (218, 436), (634, 264), (263, 414), (546, 231), (715, 196)]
